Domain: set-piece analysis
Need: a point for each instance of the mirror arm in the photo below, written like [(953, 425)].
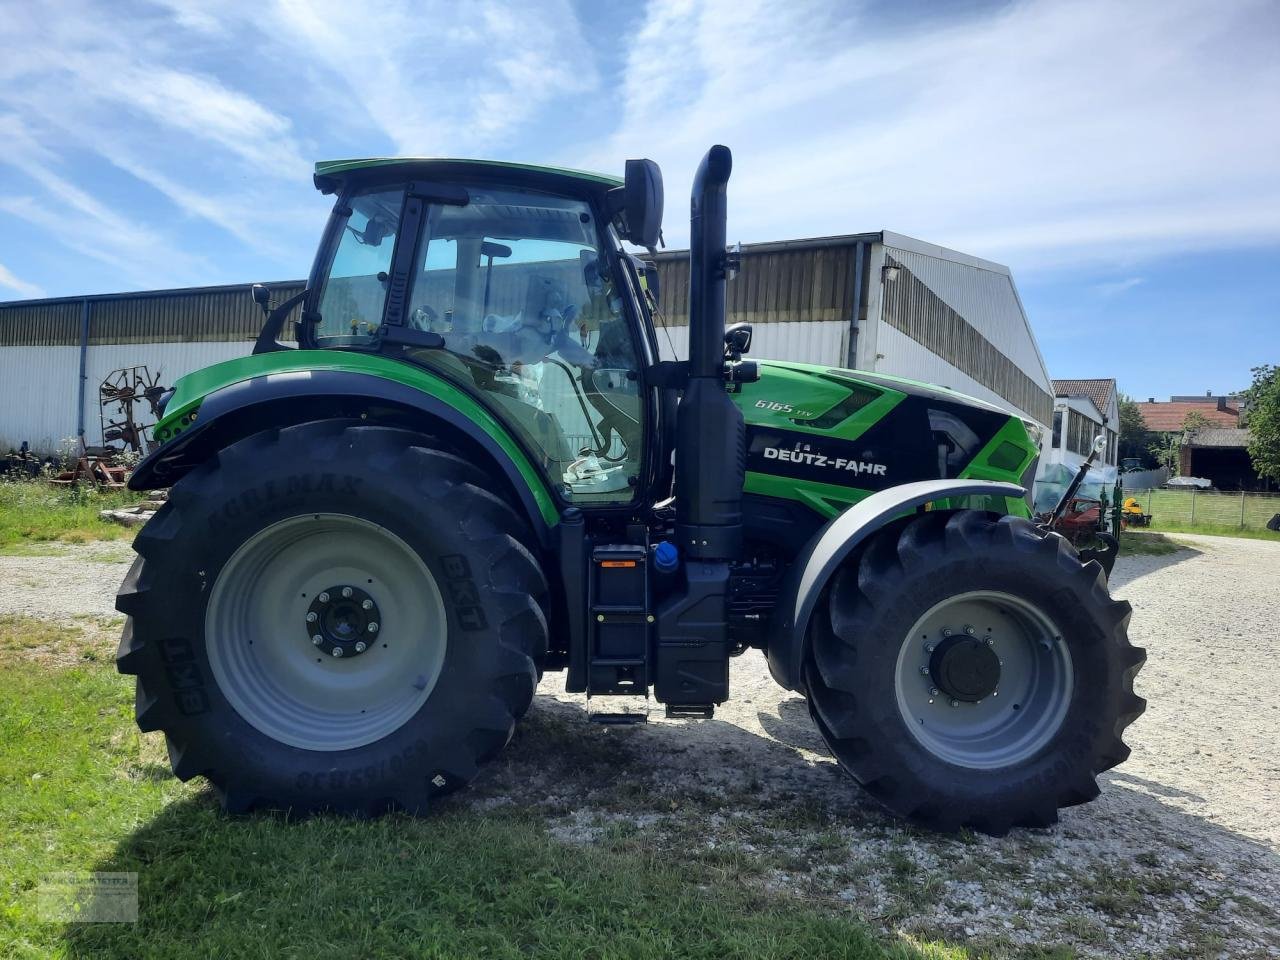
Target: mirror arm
[(269, 336)]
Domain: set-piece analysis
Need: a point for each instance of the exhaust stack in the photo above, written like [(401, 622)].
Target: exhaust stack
[(710, 433)]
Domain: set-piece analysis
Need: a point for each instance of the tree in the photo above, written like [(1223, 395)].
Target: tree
[(1193, 423), (1262, 401), (1135, 438)]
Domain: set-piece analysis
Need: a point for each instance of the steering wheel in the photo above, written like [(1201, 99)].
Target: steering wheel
[(423, 318)]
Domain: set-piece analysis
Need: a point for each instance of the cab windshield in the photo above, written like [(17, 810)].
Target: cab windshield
[(519, 286)]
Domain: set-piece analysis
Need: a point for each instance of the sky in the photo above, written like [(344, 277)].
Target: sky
[(1121, 158)]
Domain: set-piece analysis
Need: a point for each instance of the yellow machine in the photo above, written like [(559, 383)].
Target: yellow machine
[(1131, 514)]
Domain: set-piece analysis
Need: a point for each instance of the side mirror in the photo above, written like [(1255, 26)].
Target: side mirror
[(261, 296), (651, 280), (737, 340), (639, 201)]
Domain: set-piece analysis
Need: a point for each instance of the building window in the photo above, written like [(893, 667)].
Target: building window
[(1057, 430), (1080, 433)]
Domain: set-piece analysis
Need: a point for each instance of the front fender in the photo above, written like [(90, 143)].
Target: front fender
[(256, 403), (833, 544)]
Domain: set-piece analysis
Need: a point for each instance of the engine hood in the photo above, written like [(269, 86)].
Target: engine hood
[(903, 385), (830, 436)]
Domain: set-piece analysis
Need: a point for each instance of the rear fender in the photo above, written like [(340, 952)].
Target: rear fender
[(280, 399), (832, 545)]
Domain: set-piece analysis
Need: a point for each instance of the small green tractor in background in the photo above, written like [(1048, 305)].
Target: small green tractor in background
[(473, 468)]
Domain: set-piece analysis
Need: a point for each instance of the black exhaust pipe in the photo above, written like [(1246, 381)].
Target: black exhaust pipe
[(710, 433)]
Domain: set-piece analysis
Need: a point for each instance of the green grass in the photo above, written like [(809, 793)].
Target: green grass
[(1147, 544), (1216, 530), (81, 789), (1217, 508), (34, 515)]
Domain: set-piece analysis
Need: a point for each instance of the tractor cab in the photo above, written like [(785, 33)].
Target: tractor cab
[(511, 282)]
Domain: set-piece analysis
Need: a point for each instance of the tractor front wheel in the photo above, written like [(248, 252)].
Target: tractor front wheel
[(970, 671), (333, 616)]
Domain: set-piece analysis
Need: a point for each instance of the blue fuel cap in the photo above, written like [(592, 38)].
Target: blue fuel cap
[(666, 558)]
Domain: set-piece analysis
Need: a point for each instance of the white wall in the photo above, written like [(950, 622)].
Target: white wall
[(39, 385), (806, 341), (38, 396)]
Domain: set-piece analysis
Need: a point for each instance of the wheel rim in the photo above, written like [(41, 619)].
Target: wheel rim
[(266, 613), (984, 680)]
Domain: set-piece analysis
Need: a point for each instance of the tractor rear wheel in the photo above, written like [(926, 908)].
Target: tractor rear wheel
[(970, 671), (333, 616)]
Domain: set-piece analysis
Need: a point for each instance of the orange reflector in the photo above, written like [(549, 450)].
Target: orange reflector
[(617, 563)]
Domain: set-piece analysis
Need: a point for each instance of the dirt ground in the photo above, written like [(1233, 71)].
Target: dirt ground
[(1180, 856)]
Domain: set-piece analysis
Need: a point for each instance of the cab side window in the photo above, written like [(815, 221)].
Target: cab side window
[(519, 287), (356, 290)]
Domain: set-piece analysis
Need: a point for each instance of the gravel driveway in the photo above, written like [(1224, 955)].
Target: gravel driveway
[(1179, 856)]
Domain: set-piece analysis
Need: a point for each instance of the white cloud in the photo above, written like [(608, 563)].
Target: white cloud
[(19, 286), (83, 223), (192, 15), (87, 86), (1041, 134), (1114, 288), (206, 105), (134, 74), (441, 79)]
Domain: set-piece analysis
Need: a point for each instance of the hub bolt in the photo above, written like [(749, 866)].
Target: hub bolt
[(367, 605), (924, 671), (336, 651), (312, 617), (317, 639), (933, 691), (324, 597), (991, 641), (928, 648), (968, 629), (346, 593), (955, 703), (946, 631), (373, 627), (361, 647)]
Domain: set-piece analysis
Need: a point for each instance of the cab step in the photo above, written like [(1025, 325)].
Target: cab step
[(614, 714), (690, 711)]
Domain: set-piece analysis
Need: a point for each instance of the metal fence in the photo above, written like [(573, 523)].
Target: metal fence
[(1218, 508)]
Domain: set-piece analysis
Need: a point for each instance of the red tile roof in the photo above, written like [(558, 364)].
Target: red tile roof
[(1168, 417)]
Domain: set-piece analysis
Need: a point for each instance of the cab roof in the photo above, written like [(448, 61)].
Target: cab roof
[(331, 173)]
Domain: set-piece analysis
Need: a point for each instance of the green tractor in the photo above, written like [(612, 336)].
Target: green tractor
[(473, 467)]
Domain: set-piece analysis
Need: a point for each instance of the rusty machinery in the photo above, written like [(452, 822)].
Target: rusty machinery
[(119, 396)]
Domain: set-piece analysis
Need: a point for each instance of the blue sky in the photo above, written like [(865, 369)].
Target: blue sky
[(1122, 158)]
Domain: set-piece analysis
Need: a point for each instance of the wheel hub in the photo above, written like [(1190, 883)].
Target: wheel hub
[(965, 668), (343, 621)]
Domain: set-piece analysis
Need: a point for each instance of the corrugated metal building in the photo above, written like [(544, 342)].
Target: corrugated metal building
[(875, 301), (55, 353), (884, 303)]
